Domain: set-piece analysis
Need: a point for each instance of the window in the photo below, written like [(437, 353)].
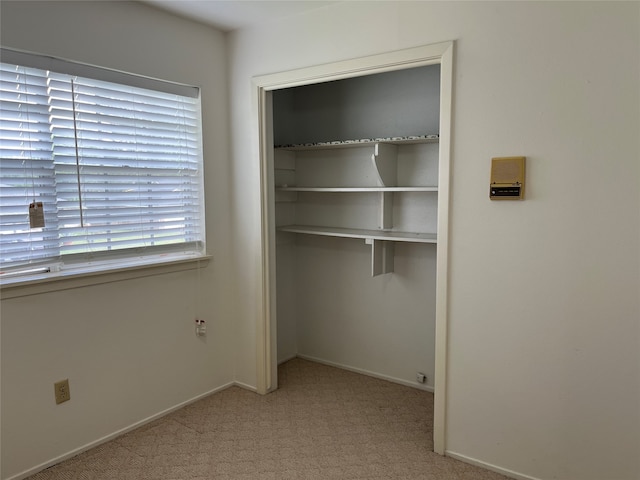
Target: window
[(115, 167)]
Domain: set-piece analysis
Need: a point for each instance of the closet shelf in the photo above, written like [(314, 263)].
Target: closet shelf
[(357, 189), (360, 233), (361, 143)]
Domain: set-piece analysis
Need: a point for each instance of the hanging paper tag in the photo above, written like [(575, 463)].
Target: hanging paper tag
[(36, 215)]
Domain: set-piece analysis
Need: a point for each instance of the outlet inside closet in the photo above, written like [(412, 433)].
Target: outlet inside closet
[(355, 201)]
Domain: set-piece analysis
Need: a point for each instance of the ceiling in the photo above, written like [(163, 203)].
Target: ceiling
[(230, 15)]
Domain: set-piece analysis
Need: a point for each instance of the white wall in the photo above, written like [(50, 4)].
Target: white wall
[(128, 347), (383, 325), (544, 359), (349, 109)]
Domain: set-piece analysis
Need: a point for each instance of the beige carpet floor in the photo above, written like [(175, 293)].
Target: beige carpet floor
[(322, 423)]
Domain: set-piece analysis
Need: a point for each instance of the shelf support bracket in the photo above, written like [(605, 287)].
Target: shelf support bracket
[(385, 221), (382, 252), (384, 159)]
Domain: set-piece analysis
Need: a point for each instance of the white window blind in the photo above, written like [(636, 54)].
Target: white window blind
[(118, 169), (26, 168)]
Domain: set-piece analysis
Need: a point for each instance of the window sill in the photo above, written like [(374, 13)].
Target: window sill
[(99, 273)]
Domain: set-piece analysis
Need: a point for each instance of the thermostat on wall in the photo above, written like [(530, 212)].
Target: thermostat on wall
[(507, 178)]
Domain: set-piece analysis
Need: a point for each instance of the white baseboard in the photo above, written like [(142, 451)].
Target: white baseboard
[(111, 436), (245, 386), (286, 359), (406, 383), (488, 466)]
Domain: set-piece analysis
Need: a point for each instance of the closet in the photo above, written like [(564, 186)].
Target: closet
[(355, 201)]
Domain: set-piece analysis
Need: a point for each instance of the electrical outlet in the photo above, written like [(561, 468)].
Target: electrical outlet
[(201, 328), (62, 391)]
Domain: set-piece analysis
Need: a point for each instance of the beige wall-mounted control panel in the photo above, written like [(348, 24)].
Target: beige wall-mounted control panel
[(507, 178)]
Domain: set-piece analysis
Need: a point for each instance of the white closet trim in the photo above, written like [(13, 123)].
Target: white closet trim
[(441, 53)]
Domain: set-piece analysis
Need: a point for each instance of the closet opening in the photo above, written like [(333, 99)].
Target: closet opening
[(355, 192)]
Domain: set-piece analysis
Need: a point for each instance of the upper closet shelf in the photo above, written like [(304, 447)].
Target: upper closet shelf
[(361, 142)]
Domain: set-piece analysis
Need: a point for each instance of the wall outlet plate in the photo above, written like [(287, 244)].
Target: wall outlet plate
[(62, 391)]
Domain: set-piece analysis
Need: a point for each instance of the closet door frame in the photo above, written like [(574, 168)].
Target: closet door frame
[(263, 86)]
